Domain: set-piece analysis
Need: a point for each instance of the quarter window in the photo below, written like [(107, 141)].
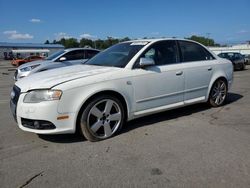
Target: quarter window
[(193, 52), (90, 53)]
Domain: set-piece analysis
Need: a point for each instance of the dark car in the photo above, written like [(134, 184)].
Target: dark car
[(247, 59), (237, 59)]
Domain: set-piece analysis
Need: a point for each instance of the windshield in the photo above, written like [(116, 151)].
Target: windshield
[(54, 55), (116, 56)]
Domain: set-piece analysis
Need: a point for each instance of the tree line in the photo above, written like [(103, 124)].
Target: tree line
[(103, 44), (84, 42)]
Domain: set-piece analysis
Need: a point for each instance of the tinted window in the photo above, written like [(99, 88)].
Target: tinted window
[(74, 55), (163, 53), (238, 56), (231, 56), (90, 53), (55, 55), (193, 52)]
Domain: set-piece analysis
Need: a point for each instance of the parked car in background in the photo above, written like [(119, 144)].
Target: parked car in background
[(237, 59), (247, 58), (67, 57), (128, 80), (18, 62)]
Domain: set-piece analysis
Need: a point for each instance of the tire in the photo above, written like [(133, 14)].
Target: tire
[(243, 66), (102, 118), (218, 93)]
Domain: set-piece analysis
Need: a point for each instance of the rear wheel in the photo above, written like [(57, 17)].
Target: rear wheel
[(218, 93), (102, 118), (243, 66)]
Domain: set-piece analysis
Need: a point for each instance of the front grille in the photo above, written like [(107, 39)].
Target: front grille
[(15, 74), (15, 93)]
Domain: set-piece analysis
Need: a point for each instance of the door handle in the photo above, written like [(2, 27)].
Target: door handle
[(210, 68), (179, 73)]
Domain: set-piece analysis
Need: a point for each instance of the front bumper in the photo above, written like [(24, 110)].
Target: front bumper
[(27, 114)]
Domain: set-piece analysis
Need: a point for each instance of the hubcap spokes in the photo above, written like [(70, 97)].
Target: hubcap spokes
[(104, 118), (219, 92)]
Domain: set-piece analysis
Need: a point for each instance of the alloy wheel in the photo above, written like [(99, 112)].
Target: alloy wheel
[(219, 92), (104, 118)]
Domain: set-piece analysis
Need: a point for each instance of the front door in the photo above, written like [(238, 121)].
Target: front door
[(162, 84)]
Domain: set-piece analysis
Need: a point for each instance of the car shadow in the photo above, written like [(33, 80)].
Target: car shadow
[(63, 138), (144, 121), (233, 97), (175, 113)]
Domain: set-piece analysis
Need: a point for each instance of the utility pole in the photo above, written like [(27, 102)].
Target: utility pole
[(208, 36)]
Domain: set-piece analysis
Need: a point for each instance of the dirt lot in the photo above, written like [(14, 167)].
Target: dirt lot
[(195, 146)]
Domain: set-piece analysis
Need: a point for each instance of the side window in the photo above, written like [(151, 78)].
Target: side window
[(90, 53), (74, 55), (193, 52), (150, 53), (163, 53)]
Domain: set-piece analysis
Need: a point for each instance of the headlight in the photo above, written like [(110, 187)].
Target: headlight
[(25, 69), (37, 96)]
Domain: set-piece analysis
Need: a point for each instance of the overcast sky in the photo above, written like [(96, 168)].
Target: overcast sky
[(226, 21)]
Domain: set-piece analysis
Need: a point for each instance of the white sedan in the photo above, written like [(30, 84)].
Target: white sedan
[(126, 81)]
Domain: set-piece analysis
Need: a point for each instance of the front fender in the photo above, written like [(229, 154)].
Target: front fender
[(73, 99)]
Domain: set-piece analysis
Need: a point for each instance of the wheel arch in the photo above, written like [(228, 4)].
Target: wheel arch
[(105, 92), (222, 77)]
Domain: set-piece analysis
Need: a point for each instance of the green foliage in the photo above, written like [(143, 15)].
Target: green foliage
[(70, 43), (84, 42), (103, 44), (203, 40)]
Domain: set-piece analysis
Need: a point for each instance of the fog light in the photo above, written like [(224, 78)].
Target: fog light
[(37, 124)]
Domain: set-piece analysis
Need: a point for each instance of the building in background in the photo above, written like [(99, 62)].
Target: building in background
[(241, 48), (20, 50)]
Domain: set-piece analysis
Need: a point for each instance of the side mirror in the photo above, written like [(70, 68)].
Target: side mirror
[(62, 59), (144, 62)]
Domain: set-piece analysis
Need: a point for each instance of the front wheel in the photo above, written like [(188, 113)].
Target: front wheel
[(218, 93), (102, 118)]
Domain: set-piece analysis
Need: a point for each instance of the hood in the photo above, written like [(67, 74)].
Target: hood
[(32, 63), (50, 78)]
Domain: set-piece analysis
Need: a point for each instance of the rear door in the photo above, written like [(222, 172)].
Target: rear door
[(198, 66)]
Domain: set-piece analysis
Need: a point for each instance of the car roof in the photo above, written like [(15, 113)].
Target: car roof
[(160, 39), (72, 49)]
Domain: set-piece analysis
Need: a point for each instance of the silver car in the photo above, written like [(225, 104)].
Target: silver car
[(61, 58)]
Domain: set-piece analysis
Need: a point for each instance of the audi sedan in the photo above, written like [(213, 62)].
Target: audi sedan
[(126, 81)]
